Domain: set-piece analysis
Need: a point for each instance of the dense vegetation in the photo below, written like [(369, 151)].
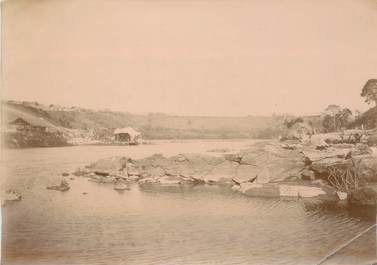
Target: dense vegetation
[(33, 139), (368, 119)]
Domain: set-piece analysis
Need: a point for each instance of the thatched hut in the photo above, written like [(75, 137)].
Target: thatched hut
[(19, 124), (127, 135)]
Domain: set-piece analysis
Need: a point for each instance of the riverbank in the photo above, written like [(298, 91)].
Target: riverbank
[(33, 139)]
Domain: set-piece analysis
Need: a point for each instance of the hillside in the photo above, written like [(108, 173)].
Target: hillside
[(76, 122), (84, 126)]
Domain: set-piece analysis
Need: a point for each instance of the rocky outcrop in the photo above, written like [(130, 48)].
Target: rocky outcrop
[(109, 166), (63, 186), (263, 163), (11, 195), (359, 157), (307, 174), (171, 180), (264, 169), (272, 162), (119, 186), (221, 173)]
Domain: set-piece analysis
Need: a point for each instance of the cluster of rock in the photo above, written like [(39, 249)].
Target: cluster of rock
[(268, 169), (10, 195), (63, 186), (264, 169)]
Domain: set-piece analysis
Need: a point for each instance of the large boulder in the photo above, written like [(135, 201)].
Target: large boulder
[(11, 195), (156, 160), (186, 165), (247, 173), (280, 190), (233, 157), (300, 191), (284, 168), (170, 180), (221, 173), (119, 186), (321, 167), (110, 166), (151, 171), (202, 164), (270, 162), (148, 180), (361, 149), (63, 186), (259, 190), (307, 174), (81, 172), (364, 165), (197, 159)]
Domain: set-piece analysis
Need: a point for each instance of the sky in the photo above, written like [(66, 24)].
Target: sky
[(190, 57)]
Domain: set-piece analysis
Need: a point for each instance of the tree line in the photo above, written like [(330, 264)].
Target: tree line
[(335, 117)]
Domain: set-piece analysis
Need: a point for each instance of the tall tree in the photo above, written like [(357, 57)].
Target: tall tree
[(335, 117), (332, 111), (328, 123), (369, 91), (343, 117)]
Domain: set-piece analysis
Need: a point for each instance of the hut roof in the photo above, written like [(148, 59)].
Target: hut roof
[(19, 121), (131, 131)]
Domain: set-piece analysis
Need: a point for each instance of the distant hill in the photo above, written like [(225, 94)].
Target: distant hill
[(152, 126), (79, 125)]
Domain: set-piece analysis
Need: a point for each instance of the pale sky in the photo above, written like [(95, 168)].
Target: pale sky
[(190, 57)]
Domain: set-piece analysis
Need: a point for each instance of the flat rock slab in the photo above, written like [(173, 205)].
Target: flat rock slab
[(260, 190), (300, 191), (280, 190), (170, 180), (64, 186), (121, 187)]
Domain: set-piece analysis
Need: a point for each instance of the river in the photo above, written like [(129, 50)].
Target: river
[(93, 224)]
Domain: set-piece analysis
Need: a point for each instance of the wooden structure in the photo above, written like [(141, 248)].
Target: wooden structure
[(19, 124), (127, 135)]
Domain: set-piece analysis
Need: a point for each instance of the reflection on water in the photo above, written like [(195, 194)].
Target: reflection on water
[(168, 225), (367, 214)]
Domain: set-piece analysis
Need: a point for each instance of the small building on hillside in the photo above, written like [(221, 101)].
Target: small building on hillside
[(127, 135), (19, 124)]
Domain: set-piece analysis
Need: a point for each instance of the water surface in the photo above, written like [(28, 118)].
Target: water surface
[(168, 225)]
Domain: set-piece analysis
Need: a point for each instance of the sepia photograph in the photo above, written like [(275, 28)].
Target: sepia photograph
[(188, 132)]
